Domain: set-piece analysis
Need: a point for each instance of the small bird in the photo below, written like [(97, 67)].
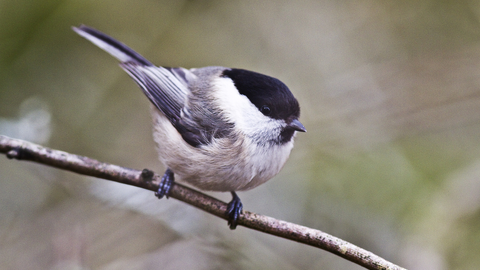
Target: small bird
[(217, 128)]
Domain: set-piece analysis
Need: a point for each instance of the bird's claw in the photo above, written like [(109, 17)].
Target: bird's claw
[(165, 184), (234, 210)]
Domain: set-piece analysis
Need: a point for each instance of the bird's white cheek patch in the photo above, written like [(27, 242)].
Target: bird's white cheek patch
[(237, 107)]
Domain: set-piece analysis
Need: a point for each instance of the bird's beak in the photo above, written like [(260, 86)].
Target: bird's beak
[(296, 125)]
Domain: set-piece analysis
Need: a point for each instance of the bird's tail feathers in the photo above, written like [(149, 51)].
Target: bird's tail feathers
[(112, 46)]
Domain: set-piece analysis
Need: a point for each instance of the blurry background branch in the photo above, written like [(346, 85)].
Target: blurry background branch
[(23, 150)]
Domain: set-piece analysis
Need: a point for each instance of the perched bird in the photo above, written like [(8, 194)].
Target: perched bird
[(217, 128)]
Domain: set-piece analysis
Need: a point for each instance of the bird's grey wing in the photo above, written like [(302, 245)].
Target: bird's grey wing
[(183, 75), (166, 88), (168, 92)]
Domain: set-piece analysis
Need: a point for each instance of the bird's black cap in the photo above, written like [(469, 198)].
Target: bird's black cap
[(271, 96)]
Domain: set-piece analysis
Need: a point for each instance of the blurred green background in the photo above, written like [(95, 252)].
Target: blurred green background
[(390, 95)]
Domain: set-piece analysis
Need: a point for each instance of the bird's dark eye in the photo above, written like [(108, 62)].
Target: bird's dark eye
[(265, 110)]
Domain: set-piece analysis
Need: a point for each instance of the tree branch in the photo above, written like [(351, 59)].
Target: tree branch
[(22, 150)]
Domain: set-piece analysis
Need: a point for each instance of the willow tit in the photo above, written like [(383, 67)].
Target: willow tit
[(217, 128)]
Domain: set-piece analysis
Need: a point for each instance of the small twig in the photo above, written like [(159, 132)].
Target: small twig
[(22, 150)]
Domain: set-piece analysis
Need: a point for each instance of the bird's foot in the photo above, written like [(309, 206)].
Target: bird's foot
[(234, 210), (165, 184)]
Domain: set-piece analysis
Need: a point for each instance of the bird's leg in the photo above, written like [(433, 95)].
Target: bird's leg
[(234, 210), (165, 184)]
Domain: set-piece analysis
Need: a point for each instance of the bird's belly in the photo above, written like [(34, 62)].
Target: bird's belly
[(223, 165)]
